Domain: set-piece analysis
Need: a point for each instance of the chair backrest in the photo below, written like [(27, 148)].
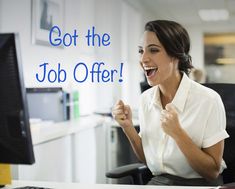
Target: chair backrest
[(227, 93), (144, 86)]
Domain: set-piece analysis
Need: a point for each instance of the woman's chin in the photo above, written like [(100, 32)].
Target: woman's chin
[(152, 83)]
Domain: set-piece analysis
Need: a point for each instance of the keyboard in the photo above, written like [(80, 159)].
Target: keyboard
[(31, 187)]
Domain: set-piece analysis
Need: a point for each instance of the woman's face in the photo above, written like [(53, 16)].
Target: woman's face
[(157, 64)]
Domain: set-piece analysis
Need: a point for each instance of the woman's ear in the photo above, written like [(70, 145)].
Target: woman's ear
[(175, 62), (174, 59)]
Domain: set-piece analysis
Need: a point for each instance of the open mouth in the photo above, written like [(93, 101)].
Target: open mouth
[(150, 71)]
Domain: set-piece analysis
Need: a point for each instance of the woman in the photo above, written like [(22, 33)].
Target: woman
[(182, 123)]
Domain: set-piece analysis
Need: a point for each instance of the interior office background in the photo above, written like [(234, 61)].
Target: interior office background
[(124, 20)]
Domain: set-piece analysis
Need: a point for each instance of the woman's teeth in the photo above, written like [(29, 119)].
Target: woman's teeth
[(150, 71)]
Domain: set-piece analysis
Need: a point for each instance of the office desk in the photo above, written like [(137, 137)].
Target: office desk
[(60, 150), (57, 185)]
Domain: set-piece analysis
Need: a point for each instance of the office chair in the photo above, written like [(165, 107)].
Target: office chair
[(140, 173)]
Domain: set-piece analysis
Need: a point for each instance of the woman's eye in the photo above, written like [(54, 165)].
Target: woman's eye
[(154, 50), (141, 51)]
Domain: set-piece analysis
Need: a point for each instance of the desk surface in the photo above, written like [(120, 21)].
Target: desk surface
[(44, 131), (57, 185)]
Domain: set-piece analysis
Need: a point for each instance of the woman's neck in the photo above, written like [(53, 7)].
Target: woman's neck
[(169, 88)]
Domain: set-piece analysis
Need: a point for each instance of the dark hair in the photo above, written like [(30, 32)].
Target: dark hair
[(175, 40)]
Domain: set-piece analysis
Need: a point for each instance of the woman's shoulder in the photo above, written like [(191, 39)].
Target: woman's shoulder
[(202, 91)]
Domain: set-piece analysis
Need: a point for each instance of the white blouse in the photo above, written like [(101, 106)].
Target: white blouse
[(201, 114)]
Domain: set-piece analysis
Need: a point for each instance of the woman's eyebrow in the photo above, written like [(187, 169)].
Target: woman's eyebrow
[(150, 45)]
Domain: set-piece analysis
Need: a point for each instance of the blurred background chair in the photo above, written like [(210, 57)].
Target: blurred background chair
[(140, 174)]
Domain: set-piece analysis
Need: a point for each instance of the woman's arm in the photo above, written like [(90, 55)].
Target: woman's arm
[(135, 142), (122, 114), (205, 161)]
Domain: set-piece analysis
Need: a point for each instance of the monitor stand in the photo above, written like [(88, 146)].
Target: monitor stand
[(5, 174)]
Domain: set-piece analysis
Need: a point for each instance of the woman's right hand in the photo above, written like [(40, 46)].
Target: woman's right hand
[(122, 114)]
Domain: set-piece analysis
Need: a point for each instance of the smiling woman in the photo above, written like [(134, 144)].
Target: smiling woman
[(174, 50), (182, 123)]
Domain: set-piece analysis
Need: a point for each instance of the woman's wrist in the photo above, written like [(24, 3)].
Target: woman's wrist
[(127, 128), (179, 134)]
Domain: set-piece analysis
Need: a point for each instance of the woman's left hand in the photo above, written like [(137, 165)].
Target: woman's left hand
[(170, 121)]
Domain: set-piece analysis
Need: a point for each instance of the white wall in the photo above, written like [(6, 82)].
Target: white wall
[(105, 15), (132, 30), (16, 17), (197, 45), (107, 19)]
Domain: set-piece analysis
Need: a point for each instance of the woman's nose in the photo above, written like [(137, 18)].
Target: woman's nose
[(144, 57)]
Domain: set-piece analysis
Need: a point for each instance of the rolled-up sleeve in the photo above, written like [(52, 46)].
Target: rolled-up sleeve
[(216, 124)]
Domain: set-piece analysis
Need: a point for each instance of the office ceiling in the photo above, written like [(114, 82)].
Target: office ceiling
[(186, 12)]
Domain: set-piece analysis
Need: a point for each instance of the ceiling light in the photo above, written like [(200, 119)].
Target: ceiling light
[(213, 14)]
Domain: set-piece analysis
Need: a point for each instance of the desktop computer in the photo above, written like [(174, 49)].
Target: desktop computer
[(15, 137)]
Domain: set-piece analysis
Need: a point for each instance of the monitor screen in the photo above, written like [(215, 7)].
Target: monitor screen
[(15, 137)]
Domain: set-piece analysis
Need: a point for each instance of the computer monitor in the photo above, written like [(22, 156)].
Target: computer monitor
[(15, 137)]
